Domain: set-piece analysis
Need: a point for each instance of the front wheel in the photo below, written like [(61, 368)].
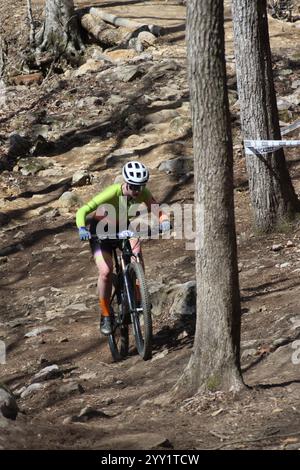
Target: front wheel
[(141, 315), (118, 340)]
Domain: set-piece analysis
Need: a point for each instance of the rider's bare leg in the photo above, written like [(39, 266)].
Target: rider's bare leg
[(104, 264), (137, 250)]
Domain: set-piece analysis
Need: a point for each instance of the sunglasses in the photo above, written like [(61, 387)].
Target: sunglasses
[(136, 187)]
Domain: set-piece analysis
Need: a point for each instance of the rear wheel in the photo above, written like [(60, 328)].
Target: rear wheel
[(118, 340), (141, 317)]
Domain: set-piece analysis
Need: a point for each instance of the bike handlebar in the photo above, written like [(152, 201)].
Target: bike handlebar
[(127, 234)]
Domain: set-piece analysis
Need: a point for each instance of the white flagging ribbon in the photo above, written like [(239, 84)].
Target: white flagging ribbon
[(252, 147)]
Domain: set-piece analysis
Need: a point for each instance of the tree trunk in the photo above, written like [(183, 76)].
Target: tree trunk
[(272, 194), (60, 34), (214, 363)]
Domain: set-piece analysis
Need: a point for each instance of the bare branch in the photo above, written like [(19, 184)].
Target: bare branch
[(31, 23)]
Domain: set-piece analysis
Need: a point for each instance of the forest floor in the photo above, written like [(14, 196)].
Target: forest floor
[(49, 280)]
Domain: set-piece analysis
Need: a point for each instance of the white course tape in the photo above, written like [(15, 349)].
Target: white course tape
[(252, 147)]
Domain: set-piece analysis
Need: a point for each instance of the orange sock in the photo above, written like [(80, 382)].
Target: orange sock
[(104, 307)]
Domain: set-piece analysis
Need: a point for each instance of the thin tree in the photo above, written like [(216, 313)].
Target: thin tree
[(272, 195), (60, 34), (214, 363)]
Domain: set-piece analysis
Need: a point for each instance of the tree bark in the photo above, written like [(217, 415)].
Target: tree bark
[(104, 33), (214, 363), (272, 195), (60, 34)]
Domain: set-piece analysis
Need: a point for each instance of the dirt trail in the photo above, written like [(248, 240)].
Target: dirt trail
[(48, 280)]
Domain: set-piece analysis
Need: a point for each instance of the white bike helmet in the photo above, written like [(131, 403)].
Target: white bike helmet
[(135, 173)]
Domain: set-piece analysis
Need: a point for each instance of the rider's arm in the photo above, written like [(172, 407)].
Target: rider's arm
[(105, 196), (149, 201)]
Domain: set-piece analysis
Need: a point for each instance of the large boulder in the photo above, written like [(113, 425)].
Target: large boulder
[(68, 199), (184, 300), (177, 166), (179, 299)]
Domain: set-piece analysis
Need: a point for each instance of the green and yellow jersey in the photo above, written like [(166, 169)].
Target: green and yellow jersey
[(113, 196)]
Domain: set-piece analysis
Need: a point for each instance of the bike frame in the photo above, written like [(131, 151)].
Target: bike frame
[(122, 263)]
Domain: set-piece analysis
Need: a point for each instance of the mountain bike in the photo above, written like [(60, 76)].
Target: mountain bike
[(130, 301)]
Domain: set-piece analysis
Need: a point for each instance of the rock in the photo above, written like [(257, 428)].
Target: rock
[(48, 373), (296, 322), (161, 69), (3, 260), (42, 147), (88, 413), (285, 72), (285, 265), (89, 101), (134, 121), (135, 44), (63, 340), (248, 353), (38, 331), (163, 116), (281, 342), (18, 145), (289, 244), (68, 200), (114, 100), (276, 247), (91, 65), (283, 104), (33, 388), (70, 388), (296, 83), (127, 73), (295, 446), (233, 97), (250, 344), (81, 178), (40, 130), (146, 39), (180, 125), (145, 57), (8, 404), (184, 300), (78, 307), (158, 296), (178, 165), (121, 55), (32, 165)]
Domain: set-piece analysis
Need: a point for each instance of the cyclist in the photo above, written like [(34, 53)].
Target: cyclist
[(134, 191)]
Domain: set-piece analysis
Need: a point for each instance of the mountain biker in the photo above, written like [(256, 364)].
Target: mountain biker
[(135, 175)]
